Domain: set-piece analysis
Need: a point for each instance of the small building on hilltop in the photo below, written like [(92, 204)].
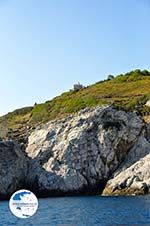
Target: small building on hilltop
[(77, 87)]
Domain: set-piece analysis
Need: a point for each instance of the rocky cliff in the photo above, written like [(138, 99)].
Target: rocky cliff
[(133, 175), (85, 153), (13, 168)]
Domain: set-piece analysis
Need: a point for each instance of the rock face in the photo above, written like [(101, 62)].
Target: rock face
[(78, 154), (148, 103), (13, 166), (133, 180), (133, 175), (100, 150)]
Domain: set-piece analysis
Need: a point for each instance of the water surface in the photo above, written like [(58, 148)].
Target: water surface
[(84, 211)]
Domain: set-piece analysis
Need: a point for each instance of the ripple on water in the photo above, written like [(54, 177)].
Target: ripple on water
[(84, 211)]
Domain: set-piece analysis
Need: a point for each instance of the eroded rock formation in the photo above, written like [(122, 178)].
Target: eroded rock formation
[(13, 168), (133, 175), (79, 155)]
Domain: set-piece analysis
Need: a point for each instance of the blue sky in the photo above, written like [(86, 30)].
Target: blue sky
[(48, 45)]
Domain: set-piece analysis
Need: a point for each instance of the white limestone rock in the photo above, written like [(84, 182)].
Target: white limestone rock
[(133, 175), (78, 154)]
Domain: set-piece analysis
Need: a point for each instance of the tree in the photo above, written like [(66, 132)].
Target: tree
[(110, 77), (146, 72)]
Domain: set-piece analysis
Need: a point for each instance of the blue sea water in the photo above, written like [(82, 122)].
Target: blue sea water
[(84, 211)]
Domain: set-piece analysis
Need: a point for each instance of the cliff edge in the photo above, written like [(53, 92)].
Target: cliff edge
[(95, 151)]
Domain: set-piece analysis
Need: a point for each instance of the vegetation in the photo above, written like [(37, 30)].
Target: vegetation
[(128, 91)]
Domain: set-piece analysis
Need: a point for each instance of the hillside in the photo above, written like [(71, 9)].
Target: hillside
[(129, 91)]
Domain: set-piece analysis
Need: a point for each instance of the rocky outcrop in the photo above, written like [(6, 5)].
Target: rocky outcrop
[(100, 150), (78, 154), (13, 168), (148, 103), (133, 180), (133, 175)]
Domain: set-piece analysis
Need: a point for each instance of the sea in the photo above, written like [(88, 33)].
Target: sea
[(84, 211)]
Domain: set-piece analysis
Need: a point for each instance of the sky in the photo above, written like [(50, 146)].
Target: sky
[(48, 45)]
